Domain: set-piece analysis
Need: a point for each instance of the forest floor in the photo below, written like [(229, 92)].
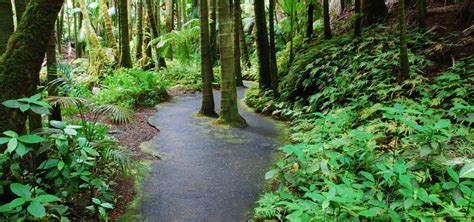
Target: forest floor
[(206, 172)]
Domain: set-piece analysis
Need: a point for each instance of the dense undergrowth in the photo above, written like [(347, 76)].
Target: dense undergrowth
[(363, 146)]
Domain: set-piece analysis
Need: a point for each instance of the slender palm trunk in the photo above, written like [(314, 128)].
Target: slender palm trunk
[(404, 66), (139, 44), (309, 25), (358, 20), (108, 27), (243, 45), (51, 64), (21, 62), (77, 28), (213, 30), (154, 29), (327, 21), (421, 13), (229, 114), (207, 106), (262, 46), (273, 62), (126, 60), (236, 35)]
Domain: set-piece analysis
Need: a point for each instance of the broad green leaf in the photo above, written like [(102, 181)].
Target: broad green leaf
[(467, 171), (424, 151), (12, 205), (36, 209), (408, 203), (324, 167), (21, 190), (91, 151), (367, 175), (368, 213), (332, 193), (24, 107), (10, 133), (12, 144), (12, 104), (40, 110), (35, 97), (270, 174), (107, 205), (96, 201), (31, 139), (60, 165), (48, 164), (453, 175), (449, 185), (4, 140), (21, 149), (442, 124), (57, 124), (47, 198), (71, 132)]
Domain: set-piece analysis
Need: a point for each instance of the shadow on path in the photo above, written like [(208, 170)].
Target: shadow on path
[(208, 173)]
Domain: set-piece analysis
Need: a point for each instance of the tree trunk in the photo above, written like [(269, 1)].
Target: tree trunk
[(169, 17), (358, 19), (343, 5), (51, 64), (6, 24), (207, 106), (154, 29), (108, 28), (309, 25), (229, 112), (373, 11), (464, 16), (126, 60), (139, 44), (149, 64), (243, 45), (262, 46), (213, 30), (21, 63), (183, 11), (177, 9), (404, 65), (421, 13), (327, 20), (273, 62), (77, 28), (236, 34)]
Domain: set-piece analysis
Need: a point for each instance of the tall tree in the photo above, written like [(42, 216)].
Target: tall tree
[(421, 13), (77, 28), (404, 65), (108, 27), (139, 44), (229, 114), (262, 46), (273, 62), (243, 45), (51, 63), (373, 11), (154, 29), (207, 106), (21, 63), (169, 17), (236, 32), (464, 16), (213, 29), (310, 21), (358, 19), (126, 59), (327, 20)]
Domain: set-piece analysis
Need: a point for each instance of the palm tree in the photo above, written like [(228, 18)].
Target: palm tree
[(108, 27), (207, 106), (236, 34), (262, 46), (126, 60), (229, 111), (358, 20), (213, 29), (327, 21), (139, 44), (273, 62), (6, 24)]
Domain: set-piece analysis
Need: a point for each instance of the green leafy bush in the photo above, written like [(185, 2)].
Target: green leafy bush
[(366, 148), (132, 87), (57, 173)]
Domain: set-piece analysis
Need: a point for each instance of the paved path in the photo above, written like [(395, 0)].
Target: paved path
[(209, 173)]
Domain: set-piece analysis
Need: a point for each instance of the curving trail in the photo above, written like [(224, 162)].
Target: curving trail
[(208, 173)]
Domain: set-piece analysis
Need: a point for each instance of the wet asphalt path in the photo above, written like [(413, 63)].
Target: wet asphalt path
[(209, 173)]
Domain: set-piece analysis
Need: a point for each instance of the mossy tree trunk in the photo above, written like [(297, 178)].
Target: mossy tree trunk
[(21, 63), (139, 44), (229, 114), (108, 28), (126, 60), (207, 106), (327, 20), (262, 46), (358, 19), (404, 65), (236, 35), (310, 21), (213, 30), (273, 62), (6, 24), (243, 45), (77, 28)]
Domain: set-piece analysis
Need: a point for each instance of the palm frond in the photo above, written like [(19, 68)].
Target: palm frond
[(67, 101), (118, 114)]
